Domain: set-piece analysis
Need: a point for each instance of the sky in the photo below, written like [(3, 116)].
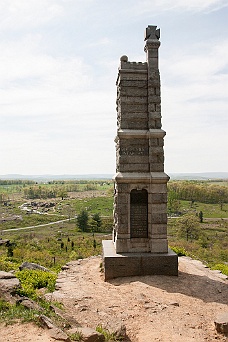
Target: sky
[(58, 67)]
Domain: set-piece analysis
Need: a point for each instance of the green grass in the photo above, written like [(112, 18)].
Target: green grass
[(209, 210), (109, 336), (211, 247), (51, 246), (9, 313)]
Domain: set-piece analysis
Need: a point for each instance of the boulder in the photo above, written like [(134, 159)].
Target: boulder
[(8, 286), (32, 266)]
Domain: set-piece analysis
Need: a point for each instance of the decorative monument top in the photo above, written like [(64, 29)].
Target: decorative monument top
[(152, 32)]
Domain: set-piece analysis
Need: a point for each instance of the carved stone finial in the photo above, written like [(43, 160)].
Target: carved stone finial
[(124, 58), (152, 32)]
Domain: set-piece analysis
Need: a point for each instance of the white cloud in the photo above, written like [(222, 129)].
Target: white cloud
[(32, 13), (194, 97), (23, 61), (58, 66), (179, 5)]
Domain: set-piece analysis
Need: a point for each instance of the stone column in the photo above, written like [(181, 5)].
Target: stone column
[(139, 244)]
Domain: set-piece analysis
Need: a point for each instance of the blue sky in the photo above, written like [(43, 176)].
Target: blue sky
[(58, 68)]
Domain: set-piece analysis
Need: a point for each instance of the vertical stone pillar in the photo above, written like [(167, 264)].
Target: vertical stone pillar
[(140, 199)]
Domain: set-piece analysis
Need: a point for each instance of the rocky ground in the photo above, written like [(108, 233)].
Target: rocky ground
[(152, 308)]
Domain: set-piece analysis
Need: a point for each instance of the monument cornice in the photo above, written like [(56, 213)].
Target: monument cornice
[(130, 71), (136, 177), (134, 133)]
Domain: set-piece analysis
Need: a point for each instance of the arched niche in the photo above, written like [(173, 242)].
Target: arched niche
[(139, 213)]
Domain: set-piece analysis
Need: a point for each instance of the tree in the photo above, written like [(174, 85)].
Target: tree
[(62, 193), (201, 216), (173, 202), (189, 227), (82, 220), (96, 222)]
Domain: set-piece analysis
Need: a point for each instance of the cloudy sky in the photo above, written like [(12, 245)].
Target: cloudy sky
[(58, 67)]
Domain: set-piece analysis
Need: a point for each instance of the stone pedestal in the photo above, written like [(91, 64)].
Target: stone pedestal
[(140, 198), (137, 264)]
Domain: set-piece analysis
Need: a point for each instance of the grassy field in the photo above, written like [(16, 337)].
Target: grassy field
[(209, 210), (54, 245)]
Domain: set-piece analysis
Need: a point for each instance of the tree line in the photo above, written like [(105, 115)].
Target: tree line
[(198, 192)]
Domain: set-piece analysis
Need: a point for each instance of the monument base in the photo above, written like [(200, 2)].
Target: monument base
[(137, 264)]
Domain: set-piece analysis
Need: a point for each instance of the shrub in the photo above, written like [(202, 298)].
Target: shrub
[(222, 267), (8, 264), (180, 251), (35, 279)]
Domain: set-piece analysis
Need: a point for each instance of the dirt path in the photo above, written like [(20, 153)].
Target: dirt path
[(153, 308)]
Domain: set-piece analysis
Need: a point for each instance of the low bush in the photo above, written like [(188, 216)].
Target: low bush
[(8, 264), (180, 251), (35, 279), (221, 267)]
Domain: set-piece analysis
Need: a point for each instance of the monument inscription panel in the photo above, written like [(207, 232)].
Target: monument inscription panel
[(139, 214)]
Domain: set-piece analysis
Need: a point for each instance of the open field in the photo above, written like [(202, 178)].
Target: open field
[(56, 244)]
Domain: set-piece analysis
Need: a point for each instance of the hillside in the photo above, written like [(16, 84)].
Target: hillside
[(153, 308)]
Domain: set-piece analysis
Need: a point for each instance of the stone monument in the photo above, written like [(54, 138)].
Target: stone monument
[(139, 245)]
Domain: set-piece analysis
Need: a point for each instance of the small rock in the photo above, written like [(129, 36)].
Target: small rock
[(64, 315), (88, 334), (221, 323), (174, 303), (53, 330), (58, 334), (64, 268), (29, 304), (46, 322), (117, 327)]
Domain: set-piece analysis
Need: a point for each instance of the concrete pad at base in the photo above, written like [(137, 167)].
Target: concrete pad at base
[(137, 264)]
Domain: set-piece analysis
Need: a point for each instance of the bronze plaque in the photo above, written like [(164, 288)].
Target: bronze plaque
[(139, 214)]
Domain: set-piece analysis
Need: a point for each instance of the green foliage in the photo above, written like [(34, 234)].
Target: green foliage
[(180, 251), (205, 192), (212, 246), (8, 264), (201, 216), (35, 279), (96, 222), (10, 312), (82, 220), (222, 267), (173, 204), (189, 227), (77, 336), (109, 336)]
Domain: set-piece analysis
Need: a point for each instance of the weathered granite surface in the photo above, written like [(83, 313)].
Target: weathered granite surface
[(140, 193)]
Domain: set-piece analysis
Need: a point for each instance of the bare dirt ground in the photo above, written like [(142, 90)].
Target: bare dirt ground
[(153, 308)]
